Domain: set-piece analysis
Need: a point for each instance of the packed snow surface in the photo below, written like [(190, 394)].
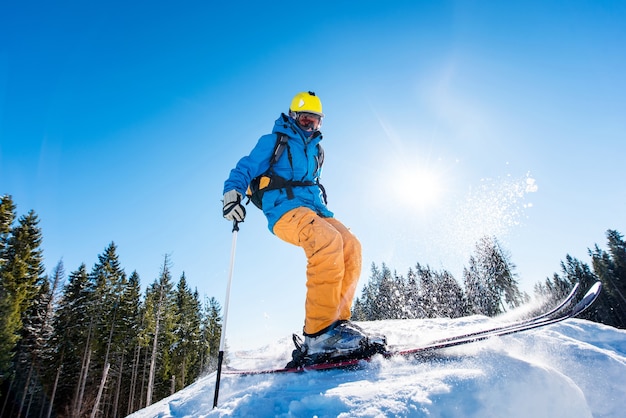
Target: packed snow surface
[(573, 369)]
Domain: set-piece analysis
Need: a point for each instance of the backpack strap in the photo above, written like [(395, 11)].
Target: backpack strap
[(279, 148), (272, 181)]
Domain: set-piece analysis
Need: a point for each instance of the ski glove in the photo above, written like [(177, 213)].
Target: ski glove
[(233, 209)]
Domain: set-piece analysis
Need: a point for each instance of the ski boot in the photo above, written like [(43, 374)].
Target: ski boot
[(341, 341)]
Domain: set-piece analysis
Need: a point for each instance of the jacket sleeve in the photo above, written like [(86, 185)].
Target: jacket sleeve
[(252, 165)]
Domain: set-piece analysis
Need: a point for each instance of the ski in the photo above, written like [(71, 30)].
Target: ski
[(522, 322), (557, 314), (588, 300)]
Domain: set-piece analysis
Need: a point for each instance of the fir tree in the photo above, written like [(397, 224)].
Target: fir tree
[(70, 337), (7, 216), (134, 318), (610, 267), (9, 320), (108, 281), (123, 341), (211, 333), (159, 323), (377, 295), (186, 351), (46, 362), (572, 271), (36, 332), (481, 297), (383, 304), (440, 295), (412, 305), (450, 296), (366, 306), (427, 291), (33, 349), (490, 280), (21, 276)]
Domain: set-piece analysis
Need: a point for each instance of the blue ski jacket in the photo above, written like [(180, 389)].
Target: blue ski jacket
[(301, 161)]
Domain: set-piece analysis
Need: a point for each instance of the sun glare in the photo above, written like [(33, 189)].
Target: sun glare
[(420, 187)]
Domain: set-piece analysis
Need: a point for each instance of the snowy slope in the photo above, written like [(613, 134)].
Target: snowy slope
[(573, 369)]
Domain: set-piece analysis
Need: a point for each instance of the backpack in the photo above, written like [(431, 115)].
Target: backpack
[(271, 181)]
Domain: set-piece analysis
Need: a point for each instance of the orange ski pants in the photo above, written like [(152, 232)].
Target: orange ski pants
[(333, 265)]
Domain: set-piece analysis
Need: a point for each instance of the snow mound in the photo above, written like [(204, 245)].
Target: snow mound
[(575, 369)]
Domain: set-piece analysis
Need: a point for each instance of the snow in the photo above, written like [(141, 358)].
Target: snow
[(573, 369)]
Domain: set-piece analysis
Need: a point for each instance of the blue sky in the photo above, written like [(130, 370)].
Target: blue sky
[(444, 121)]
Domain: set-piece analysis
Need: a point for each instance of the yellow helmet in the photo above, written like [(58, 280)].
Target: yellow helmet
[(308, 102)]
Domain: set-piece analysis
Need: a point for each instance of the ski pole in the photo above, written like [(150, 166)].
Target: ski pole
[(220, 356)]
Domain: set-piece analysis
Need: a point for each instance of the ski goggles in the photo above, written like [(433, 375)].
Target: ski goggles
[(308, 121)]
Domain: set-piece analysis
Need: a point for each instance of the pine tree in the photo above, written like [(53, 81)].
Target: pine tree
[(440, 295), (490, 280), (427, 291), (108, 281), (33, 350), (159, 322), (21, 278), (383, 304), (481, 297), (211, 333), (367, 306), (391, 296), (376, 295), (9, 320), (35, 333), (71, 336), (575, 271), (610, 267), (450, 296), (123, 341), (7, 216), (47, 367), (134, 316), (186, 359), (412, 306)]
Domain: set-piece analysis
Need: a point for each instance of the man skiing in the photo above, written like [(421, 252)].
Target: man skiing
[(294, 203)]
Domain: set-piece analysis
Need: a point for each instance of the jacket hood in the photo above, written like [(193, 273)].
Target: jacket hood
[(286, 125)]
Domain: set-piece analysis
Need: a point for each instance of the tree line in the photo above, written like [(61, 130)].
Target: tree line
[(490, 286), (609, 267), (90, 344)]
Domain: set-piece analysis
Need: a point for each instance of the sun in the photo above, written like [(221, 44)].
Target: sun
[(420, 187)]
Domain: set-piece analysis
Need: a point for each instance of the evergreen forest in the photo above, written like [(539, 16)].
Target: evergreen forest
[(91, 344), (490, 286)]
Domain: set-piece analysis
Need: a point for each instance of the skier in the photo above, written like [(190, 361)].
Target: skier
[(294, 203)]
